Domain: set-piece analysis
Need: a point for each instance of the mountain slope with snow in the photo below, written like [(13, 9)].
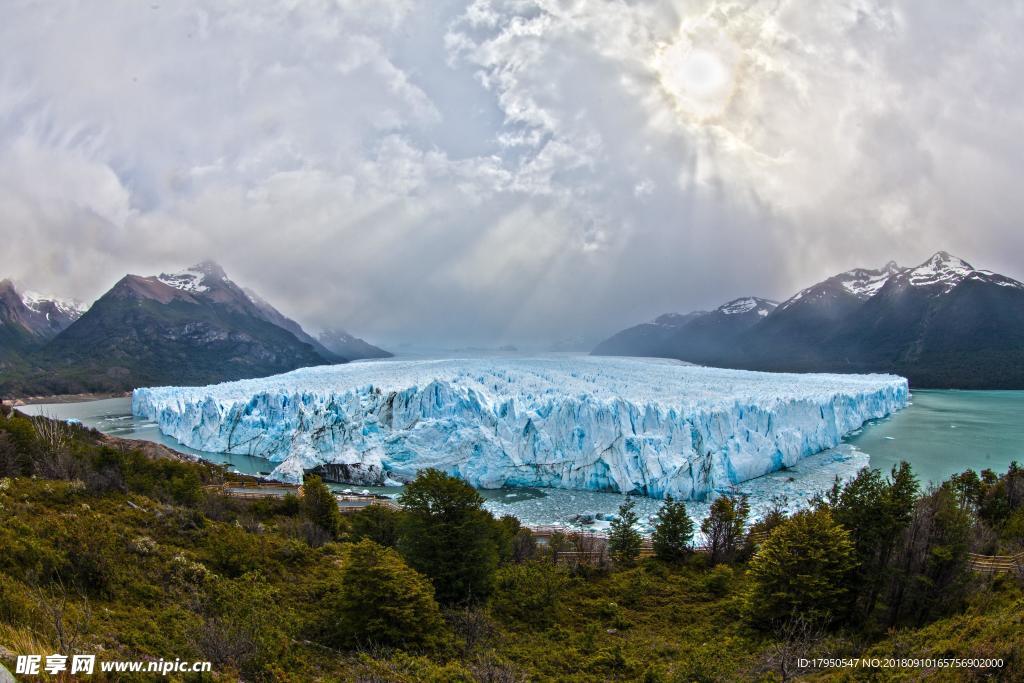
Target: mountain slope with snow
[(34, 314), (942, 323), (609, 424)]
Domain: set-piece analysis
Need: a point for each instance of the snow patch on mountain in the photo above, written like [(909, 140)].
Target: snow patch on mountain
[(943, 270), (37, 303), (864, 283), (747, 304), (603, 424), (990, 277), (194, 279), (187, 281)]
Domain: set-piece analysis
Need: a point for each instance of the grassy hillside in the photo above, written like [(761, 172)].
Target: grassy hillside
[(105, 550)]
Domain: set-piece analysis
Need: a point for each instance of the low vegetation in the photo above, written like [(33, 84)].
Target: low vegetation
[(106, 551)]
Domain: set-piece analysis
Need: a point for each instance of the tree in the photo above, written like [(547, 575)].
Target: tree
[(624, 540), (447, 535), (876, 512), (723, 527), (320, 506), (673, 531), (382, 601), (931, 573), (379, 523), (506, 529), (800, 570)]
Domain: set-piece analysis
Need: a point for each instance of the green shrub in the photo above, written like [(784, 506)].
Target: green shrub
[(234, 551), (16, 607), (529, 593), (801, 570), (243, 628), (95, 553), (380, 601), (378, 523), (719, 580)]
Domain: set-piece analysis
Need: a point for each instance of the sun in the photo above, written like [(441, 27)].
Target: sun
[(697, 71)]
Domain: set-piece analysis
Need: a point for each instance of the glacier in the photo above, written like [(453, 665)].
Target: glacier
[(631, 425)]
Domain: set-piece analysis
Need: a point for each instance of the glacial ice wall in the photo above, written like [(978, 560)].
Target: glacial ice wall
[(607, 424)]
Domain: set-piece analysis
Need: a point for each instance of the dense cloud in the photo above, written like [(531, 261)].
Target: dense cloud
[(506, 170)]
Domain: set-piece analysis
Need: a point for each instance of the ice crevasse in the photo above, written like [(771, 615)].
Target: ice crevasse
[(609, 424)]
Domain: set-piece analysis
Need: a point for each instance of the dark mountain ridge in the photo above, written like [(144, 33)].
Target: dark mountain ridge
[(191, 327), (943, 324)]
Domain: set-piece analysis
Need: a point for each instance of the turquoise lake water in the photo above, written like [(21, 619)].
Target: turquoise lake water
[(945, 432)]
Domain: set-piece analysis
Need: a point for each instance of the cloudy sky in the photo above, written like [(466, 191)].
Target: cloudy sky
[(506, 170)]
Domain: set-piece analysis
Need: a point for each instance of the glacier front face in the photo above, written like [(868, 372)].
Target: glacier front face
[(647, 426)]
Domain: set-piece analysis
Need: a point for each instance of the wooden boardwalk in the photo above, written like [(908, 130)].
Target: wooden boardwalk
[(997, 564), (347, 503), (255, 489)]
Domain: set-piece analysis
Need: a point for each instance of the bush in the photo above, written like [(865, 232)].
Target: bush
[(719, 580), (529, 593), (95, 557), (801, 570), (382, 602), (15, 605), (377, 523), (243, 629), (506, 531), (233, 551)]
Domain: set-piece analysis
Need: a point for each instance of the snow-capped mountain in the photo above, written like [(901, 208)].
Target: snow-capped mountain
[(748, 304), (28, 320), (942, 272), (192, 326), (941, 323), (860, 284), (61, 312), (698, 337)]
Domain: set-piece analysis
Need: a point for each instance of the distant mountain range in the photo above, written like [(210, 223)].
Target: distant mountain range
[(943, 323), (344, 344), (190, 327)]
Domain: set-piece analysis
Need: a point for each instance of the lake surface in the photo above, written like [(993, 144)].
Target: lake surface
[(945, 432), (939, 434)]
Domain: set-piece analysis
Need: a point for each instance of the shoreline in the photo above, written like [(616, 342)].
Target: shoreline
[(64, 398)]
